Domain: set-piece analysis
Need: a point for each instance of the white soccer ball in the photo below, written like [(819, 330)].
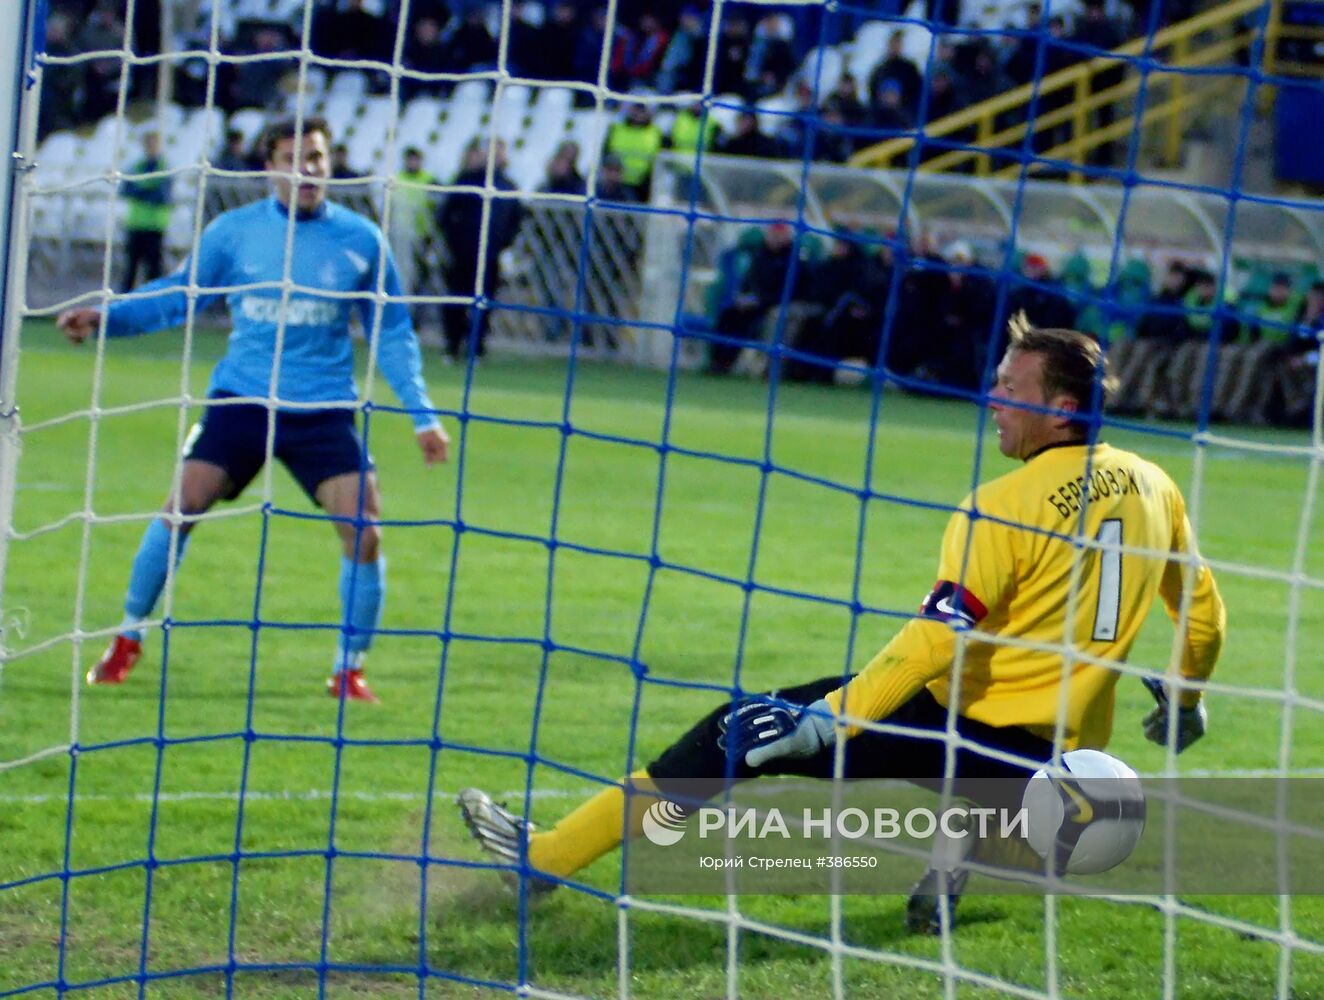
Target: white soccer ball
[(1089, 818)]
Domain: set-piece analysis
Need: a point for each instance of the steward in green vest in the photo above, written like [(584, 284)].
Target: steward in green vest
[(148, 200), (689, 125), (637, 142)]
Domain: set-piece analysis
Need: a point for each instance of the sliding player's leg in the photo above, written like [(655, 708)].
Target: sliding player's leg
[(598, 825), (222, 454)]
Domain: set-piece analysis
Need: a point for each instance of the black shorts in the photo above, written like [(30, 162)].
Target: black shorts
[(915, 757), (314, 445)]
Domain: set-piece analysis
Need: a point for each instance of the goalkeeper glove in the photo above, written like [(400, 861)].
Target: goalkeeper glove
[(761, 729), (1191, 722)]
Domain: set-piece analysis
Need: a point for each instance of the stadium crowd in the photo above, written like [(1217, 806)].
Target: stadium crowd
[(948, 316), (655, 48)]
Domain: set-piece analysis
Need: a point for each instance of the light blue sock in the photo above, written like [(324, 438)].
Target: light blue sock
[(361, 608), (148, 576)]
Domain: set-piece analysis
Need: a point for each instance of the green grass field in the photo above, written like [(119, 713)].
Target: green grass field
[(807, 539)]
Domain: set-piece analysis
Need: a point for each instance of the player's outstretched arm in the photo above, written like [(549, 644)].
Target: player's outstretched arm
[(764, 728), (159, 304), (1189, 725), (78, 324), (1205, 627), (435, 444), (401, 363)]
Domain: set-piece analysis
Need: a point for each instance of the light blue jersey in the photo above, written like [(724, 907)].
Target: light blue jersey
[(336, 250)]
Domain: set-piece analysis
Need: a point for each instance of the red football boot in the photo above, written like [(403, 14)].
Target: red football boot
[(350, 684), (116, 661)]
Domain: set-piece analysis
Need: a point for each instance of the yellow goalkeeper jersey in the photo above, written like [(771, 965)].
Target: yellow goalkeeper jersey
[(1034, 562)]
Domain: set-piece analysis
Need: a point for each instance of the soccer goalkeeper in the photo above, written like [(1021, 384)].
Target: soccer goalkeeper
[(335, 251), (1006, 568)]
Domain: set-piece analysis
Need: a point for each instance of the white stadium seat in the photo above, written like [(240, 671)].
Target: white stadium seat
[(250, 122), (551, 111), (472, 92), (589, 130), (822, 78), (348, 83), (770, 121), (528, 166), (58, 148), (515, 99), (422, 113), (340, 110), (725, 110), (868, 49)]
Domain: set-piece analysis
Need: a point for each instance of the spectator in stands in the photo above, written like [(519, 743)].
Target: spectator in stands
[(560, 42), (340, 168), (682, 65), (347, 29), (985, 80), (1141, 365), (424, 52), (760, 290), (747, 140), (899, 70), (1097, 30), (1021, 69), (1024, 52), (791, 130), (1186, 373), (943, 100), (471, 44), (1245, 367), (148, 200), (1040, 297), (644, 58), (1295, 378), (771, 59), (257, 83), (236, 154), (889, 116), (693, 128), (851, 286), (588, 51), (524, 46), (833, 142), (732, 54), (563, 176), (611, 184), (61, 83), (845, 101), (412, 228), (146, 41), (960, 306), (460, 219), (102, 31)]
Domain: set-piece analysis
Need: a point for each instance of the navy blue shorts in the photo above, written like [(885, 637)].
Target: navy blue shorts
[(314, 445)]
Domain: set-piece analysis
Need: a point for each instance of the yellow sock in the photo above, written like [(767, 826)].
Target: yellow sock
[(593, 829), (1012, 853)]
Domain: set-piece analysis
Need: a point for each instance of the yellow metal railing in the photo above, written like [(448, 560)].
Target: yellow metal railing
[(1276, 33), (1215, 37)]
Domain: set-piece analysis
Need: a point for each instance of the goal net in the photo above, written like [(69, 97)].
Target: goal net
[(740, 314)]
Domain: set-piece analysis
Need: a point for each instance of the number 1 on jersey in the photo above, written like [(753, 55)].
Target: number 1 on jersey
[(1110, 580)]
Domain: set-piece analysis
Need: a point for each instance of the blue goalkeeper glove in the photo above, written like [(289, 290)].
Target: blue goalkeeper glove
[(761, 729), (1191, 722)]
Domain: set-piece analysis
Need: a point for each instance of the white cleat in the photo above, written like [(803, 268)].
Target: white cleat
[(500, 833)]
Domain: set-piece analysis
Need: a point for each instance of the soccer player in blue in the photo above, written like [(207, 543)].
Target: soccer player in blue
[(335, 250)]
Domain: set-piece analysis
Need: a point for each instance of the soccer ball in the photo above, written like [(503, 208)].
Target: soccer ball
[(1088, 819)]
